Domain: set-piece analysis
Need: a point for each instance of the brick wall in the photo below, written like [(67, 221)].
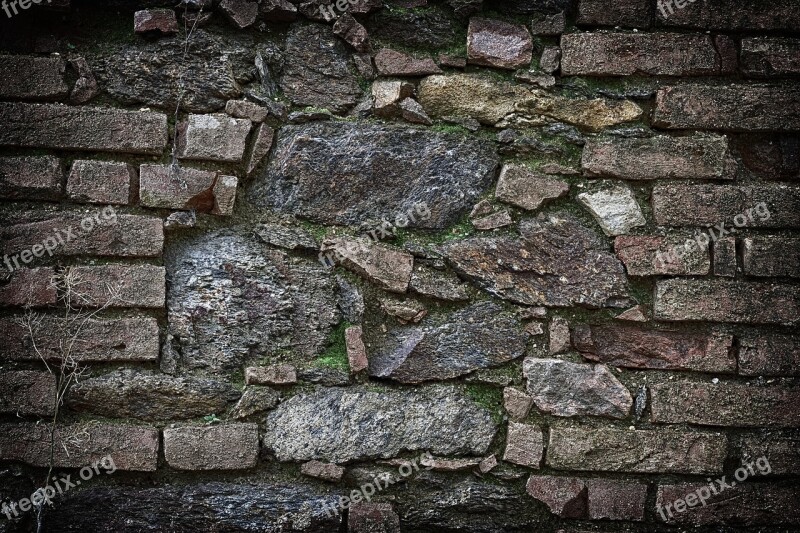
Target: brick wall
[(401, 265)]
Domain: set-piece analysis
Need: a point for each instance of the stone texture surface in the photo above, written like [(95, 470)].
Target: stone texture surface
[(661, 157), (524, 445), (265, 302), (27, 393), (373, 518), (595, 499), (213, 138), (26, 177), (770, 56), (495, 43), (262, 143), (100, 182), (402, 167), (78, 445), (393, 63), (389, 268), (241, 13), (527, 189), (771, 257), (339, 425), (615, 208), (674, 255), (319, 74), (356, 351), (173, 187), (118, 286), (724, 404), (151, 397), (324, 471), (32, 78), (633, 14), (733, 15), (161, 21), (29, 287), (447, 346), (769, 355), (645, 451), (639, 347), (562, 388), (437, 284), (558, 245), (270, 375), (75, 128), (222, 447)]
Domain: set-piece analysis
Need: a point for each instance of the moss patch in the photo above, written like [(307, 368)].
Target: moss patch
[(335, 356)]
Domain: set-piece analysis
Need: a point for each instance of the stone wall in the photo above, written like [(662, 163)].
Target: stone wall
[(401, 265)]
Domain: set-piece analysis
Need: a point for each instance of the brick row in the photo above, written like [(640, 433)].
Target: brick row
[(27, 393)]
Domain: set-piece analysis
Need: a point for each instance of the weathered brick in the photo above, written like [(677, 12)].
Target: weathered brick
[(495, 43), (619, 450), (726, 301), (517, 404), (30, 178), (524, 445), (772, 257), (100, 182), (224, 447), (659, 157), (27, 393), (172, 187), (654, 255), (224, 191), (724, 404), (372, 518), (742, 504), (770, 56), (730, 14), (66, 233), (78, 445), (520, 186), (637, 347), (155, 21), (725, 262), (29, 287), (626, 54), (97, 341), (270, 375), (213, 138), (393, 63), (770, 156), (118, 285), (632, 14), (782, 451), (244, 109), (596, 499), (82, 128), (735, 206), (356, 351), (732, 107), (769, 354), (326, 471), (32, 78)]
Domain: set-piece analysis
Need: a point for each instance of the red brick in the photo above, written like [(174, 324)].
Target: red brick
[(769, 354), (30, 178), (732, 107), (29, 287), (626, 54), (372, 518), (637, 347), (78, 445), (596, 499), (782, 451), (118, 285), (620, 450), (726, 301), (100, 182), (655, 255), (32, 78), (270, 375), (632, 14), (27, 393), (770, 56), (224, 447), (725, 262), (495, 43), (724, 404), (82, 128), (356, 351), (660, 157), (125, 339), (771, 257), (114, 236), (170, 187), (746, 504), (710, 205), (524, 445), (731, 14)]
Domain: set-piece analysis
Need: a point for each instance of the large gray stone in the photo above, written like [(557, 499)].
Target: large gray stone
[(147, 396), (338, 425), (447, 346), (347, 173), (216, 506), (231, 297), (556, 262), (319, 73)]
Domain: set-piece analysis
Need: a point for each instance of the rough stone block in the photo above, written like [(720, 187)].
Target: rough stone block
[(494, 43), (30, 178), (771, 257), (33, 287), (27, 393), (769, 354), (393, 63), (100, 182), (731, 15), (524, 445), (270, 375), (213, 138), (32, 78), (118, 285), (161, 21), (168, 187), (527, 189), (725, 257), (372, 518), (675, 255), (356, 351), (324, 471), (223, 447), (632, 14)]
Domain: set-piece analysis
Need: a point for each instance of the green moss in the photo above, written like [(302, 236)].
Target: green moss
[(335, 356), (489, 397)]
